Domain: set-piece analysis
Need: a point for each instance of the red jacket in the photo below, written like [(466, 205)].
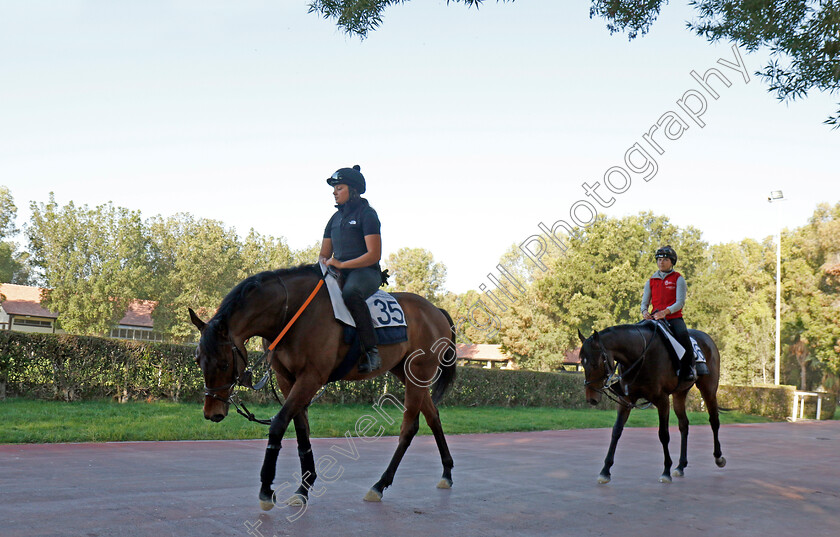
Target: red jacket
[(663, 293)]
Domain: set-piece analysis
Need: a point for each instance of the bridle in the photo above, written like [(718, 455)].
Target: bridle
[(614, 377), (245, 377)]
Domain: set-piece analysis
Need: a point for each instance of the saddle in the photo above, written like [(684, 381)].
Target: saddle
[(676, 350), (387, 315)]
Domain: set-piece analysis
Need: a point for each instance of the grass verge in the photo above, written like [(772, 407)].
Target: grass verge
[(35, 421)]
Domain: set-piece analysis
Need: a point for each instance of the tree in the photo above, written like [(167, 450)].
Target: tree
[(93, 261), (14, 265), (264, 252), (811, 295), (801, 35), (732, 300), (360, 17), (596, 283), (196, 262), (414, 270)]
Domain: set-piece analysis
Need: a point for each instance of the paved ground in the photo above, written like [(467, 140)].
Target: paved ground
[(782, 479)]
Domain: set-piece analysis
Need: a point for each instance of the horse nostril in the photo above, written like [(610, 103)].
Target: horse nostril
[(216, 418)]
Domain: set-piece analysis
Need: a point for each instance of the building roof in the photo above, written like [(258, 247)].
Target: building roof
[(480, 351), (24, 300), (139, 313)]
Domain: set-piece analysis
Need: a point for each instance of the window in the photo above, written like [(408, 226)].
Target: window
[(32, 322)]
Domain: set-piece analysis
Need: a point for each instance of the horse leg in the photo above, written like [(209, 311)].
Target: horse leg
[(432, 415), (663, 405), (299, 397), (307, 460), (410, 426), (710, 397), (621, 418), (679, 410)]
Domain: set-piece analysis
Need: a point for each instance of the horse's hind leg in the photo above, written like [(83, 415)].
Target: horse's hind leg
[(410, 426), (430, 412), (709, 394), (621, 418), (679, 410)]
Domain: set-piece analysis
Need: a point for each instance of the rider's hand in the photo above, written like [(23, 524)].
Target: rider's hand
[(333, 262), (647, 316)]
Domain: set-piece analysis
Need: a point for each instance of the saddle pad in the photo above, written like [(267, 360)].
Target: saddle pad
[(384, 308), (698, 352), (679, 349)]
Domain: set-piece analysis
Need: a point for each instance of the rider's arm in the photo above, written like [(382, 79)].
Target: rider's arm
[(326, 250), (646, 301)]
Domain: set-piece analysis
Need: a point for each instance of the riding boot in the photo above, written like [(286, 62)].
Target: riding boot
[(369, 360), (687, 369)]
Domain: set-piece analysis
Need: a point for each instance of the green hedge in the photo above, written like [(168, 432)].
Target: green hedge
[(70, 367)]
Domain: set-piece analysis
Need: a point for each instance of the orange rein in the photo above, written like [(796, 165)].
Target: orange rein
[(305, 304)]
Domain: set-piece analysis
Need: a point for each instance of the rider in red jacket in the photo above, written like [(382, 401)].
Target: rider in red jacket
[(666, 291)]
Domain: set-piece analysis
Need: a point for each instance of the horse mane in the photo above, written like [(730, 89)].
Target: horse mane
[(237, 297)]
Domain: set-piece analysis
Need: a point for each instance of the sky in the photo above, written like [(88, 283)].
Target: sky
[(472, 127)]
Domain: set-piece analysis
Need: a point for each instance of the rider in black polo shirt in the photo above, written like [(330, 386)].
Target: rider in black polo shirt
[(353, 244)]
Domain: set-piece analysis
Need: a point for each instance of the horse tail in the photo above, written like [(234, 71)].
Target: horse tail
[(447, 364)]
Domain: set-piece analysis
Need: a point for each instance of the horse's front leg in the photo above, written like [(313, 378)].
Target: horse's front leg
[(682, 418), (307, 460), (299, 397), (663, 405), (621, 418)]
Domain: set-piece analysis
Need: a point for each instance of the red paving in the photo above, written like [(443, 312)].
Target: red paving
[(782, 479)]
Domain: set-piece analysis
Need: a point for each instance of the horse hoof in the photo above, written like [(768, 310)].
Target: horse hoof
[(373, 496), (266, 506), (603, 479), (678, 473), (721, 462), (445, 484), (665, 478), (297, 500)]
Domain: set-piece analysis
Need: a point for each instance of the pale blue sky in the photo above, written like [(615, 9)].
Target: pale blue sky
[(471, 126)]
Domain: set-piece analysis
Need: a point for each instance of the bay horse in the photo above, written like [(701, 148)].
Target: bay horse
[(631, 362), (309, 352)]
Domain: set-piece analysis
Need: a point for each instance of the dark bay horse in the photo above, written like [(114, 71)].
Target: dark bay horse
[(630, 362), (313, 347)]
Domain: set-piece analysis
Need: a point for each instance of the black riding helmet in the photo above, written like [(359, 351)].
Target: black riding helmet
[(351, 177), (667, 251)]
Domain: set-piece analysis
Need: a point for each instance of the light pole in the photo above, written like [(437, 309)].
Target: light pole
[(776, 195)]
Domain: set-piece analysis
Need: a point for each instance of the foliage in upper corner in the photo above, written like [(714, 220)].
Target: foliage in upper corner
[(361, 16)]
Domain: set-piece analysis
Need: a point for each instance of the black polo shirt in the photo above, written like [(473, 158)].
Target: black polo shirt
[(348, 228)]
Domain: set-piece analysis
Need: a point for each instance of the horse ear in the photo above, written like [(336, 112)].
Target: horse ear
[(196, 321), (595, 335), (582, 339)]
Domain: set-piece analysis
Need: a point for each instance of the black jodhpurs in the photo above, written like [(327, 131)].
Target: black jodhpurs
[(359, 284)]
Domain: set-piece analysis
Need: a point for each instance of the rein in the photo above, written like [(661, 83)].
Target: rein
[(246, 376)]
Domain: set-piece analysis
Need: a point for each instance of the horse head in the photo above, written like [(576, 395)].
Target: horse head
[(595, 362), (219, 359)]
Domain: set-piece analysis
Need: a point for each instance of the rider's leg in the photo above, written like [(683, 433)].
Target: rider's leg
[(359, 284), (687, 362)]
